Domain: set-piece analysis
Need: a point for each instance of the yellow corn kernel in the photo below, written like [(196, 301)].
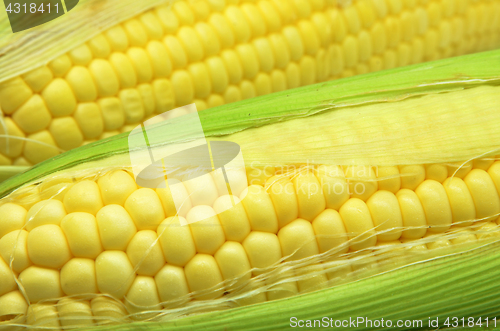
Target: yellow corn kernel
[(39, 147), (11, 146), (437, 243), (206, 229), (362, 181), (164, 97), (334, 184), (413, 214), (152, 25), (99, 46), (260, 209), (78, 277), (41, 283), (359, 224), (74, 313), (202, 274), (284, 198), (208, 38), (191, 43), (107, 310), (386, 215), (183, 88), (462, 205), (145, 218), (33, 115), (81, 55), (45, 212), (284, 289), (59, 98), (262, 83), (89, 120), (278, 81), (66, 133), (484, 194), (264, 52), (437, 172), (60, 65), (493, 171), (233, 264), (105, 77), (145, 253), (82, 234), (115, 187), (124, 70), (176, 52), (148, 99), (330, 232), (176, 241), (249, 60), (232, 217), (488, 230), (238, 23), (412, 176), (181, 196), (201, 79), (83, 197), (12, 217), (82, 84), (172, 286), (312, 278), (114, 273), (131, 105), (136, 33), (142, 296), (389, 179), (297, 240), (483, 164), (436, 205), (13, 249), (38, 78), (116, 227), (43, 315), (311, 199), (48, 246), (263, 250), (160, 60)]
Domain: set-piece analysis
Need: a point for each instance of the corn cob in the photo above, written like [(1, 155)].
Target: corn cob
[(90, 240), (216, 52), (92, 247)]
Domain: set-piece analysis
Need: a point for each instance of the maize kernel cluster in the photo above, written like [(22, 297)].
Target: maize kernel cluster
[(103, 250), (213, 52)]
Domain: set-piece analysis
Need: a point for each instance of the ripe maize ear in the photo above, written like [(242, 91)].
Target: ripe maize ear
[(337, 190), (216, 52)]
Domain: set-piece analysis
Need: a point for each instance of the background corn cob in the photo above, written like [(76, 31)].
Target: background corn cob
[(215, 52), (298, 223)]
